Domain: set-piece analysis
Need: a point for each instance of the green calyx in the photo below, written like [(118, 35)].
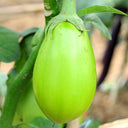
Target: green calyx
[(67, 14)]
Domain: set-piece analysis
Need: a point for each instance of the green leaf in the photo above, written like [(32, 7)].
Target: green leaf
[(99, 9), (107, 18), (9, 46), (25, 49), (113, 3), (29, 31), (26, 46), (39, 122), (23, 125), (19, 81), (38, 38), (95, 20), (43, 123)]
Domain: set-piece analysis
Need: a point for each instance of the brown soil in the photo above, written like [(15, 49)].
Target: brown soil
[(103, 108)]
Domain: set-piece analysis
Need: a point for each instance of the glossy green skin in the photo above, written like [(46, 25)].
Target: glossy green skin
[(64, 76), (28, 109)]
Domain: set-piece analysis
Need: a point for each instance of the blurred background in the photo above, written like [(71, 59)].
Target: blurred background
[(111, 98)]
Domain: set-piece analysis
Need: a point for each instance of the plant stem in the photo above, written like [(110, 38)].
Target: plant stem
[(15, 88), (68, 7)]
